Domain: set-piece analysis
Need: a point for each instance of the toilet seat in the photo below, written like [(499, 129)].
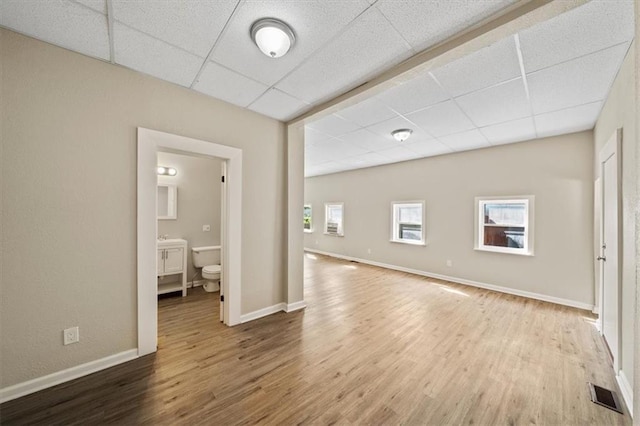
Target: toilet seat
[(212, 269)]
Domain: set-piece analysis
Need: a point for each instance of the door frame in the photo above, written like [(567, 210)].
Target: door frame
[(611, 148), (149, 143)]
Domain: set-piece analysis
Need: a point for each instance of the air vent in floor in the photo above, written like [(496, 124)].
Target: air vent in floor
[(605, 397)]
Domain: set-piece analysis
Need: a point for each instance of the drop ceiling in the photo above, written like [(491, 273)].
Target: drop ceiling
[(549, 79), (205, 44)]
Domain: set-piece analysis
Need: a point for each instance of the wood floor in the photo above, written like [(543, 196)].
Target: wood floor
[(373, 347)]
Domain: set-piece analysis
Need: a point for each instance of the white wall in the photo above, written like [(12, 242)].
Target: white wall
[(198, 183), (619, 111), (69, 200), (557, 171)]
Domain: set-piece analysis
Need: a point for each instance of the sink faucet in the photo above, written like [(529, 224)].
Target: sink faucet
[(163, 237)]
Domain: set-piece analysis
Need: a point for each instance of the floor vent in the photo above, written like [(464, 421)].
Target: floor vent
[(605, 397)]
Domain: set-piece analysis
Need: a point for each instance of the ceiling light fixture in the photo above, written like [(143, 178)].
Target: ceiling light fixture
[(168, 171), (401, 135), (273, 37)]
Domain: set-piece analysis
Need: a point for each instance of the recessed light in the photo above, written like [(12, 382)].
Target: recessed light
[(273, 37), (401, 135)]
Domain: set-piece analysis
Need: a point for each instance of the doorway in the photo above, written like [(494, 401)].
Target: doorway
[(149, 143), (610, 302)]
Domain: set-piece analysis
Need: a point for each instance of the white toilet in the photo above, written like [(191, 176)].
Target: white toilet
[(208, 258)]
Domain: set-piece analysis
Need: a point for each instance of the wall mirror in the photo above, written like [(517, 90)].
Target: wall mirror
[(167, 201)]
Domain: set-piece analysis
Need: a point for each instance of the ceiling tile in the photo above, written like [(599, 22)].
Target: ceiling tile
[(585, 29), (228, 85), (348, 60), (333, 125), (568, 120), (63, 23), (314, 22), (511, 131), (313, 137), (276, 104), (329, 167), (489, 66), (580, 81), (428, 148), (146, 54), (418, 93), (385, 128), (191, 25), (367, 140), (425, 23), (97, 5), (369, 111), (472, 139), (317, 154), (442, 119), (365, 160), (342, 149), (497, 104), (399, 153)]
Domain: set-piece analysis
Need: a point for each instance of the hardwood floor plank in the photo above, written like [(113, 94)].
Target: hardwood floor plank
[(373, 346)]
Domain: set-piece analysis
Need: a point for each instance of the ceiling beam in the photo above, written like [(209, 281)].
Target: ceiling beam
[(509, 21)]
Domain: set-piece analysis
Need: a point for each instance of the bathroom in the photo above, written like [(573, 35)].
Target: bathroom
[(189, 225)]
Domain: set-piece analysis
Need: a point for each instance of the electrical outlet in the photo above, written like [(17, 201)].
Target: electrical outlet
[(449, 263), (206, 228), (316, 242), (71, 335), (369, 251)]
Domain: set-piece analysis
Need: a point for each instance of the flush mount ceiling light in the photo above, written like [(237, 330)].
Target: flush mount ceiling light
[(168, 171), (273, 37), (401, 135)]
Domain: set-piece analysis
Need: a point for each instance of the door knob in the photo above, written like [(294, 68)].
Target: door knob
[(601, 258)]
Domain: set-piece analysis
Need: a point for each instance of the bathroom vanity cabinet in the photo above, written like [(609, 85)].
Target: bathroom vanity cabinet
[(172, 260)]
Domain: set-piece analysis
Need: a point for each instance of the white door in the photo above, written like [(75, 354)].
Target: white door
[(223, 238), (610, 307), (173, 260)]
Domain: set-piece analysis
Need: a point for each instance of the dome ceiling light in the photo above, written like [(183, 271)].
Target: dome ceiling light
[(273, 37), (401, 135)]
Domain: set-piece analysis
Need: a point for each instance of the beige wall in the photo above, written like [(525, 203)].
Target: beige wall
[(198, 183), (557, 171), (69, 200), (619, 112)]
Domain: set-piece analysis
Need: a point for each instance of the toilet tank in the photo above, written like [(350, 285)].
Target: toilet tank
[(204, 256)]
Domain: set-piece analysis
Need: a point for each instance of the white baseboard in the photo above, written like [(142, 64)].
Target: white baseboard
[(197, 283), (263, 312), (40, 383), (626, 390), (272, 310), (295, 306), (515, 292)]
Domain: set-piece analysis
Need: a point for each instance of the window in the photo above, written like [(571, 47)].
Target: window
[(308, 224), (333, 219), (505, 225), (407, 220)]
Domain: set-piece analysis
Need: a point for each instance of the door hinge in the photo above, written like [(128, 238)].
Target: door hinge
[(222, 297), (222, 179)]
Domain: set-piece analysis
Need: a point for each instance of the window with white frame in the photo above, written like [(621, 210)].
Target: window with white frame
[(505, 225), (334, 219), (306, 214), (407, 222)]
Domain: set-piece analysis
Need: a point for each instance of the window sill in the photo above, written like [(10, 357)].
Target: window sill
[(410, 243), (308, 231), (503, 251), (333, 235)]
